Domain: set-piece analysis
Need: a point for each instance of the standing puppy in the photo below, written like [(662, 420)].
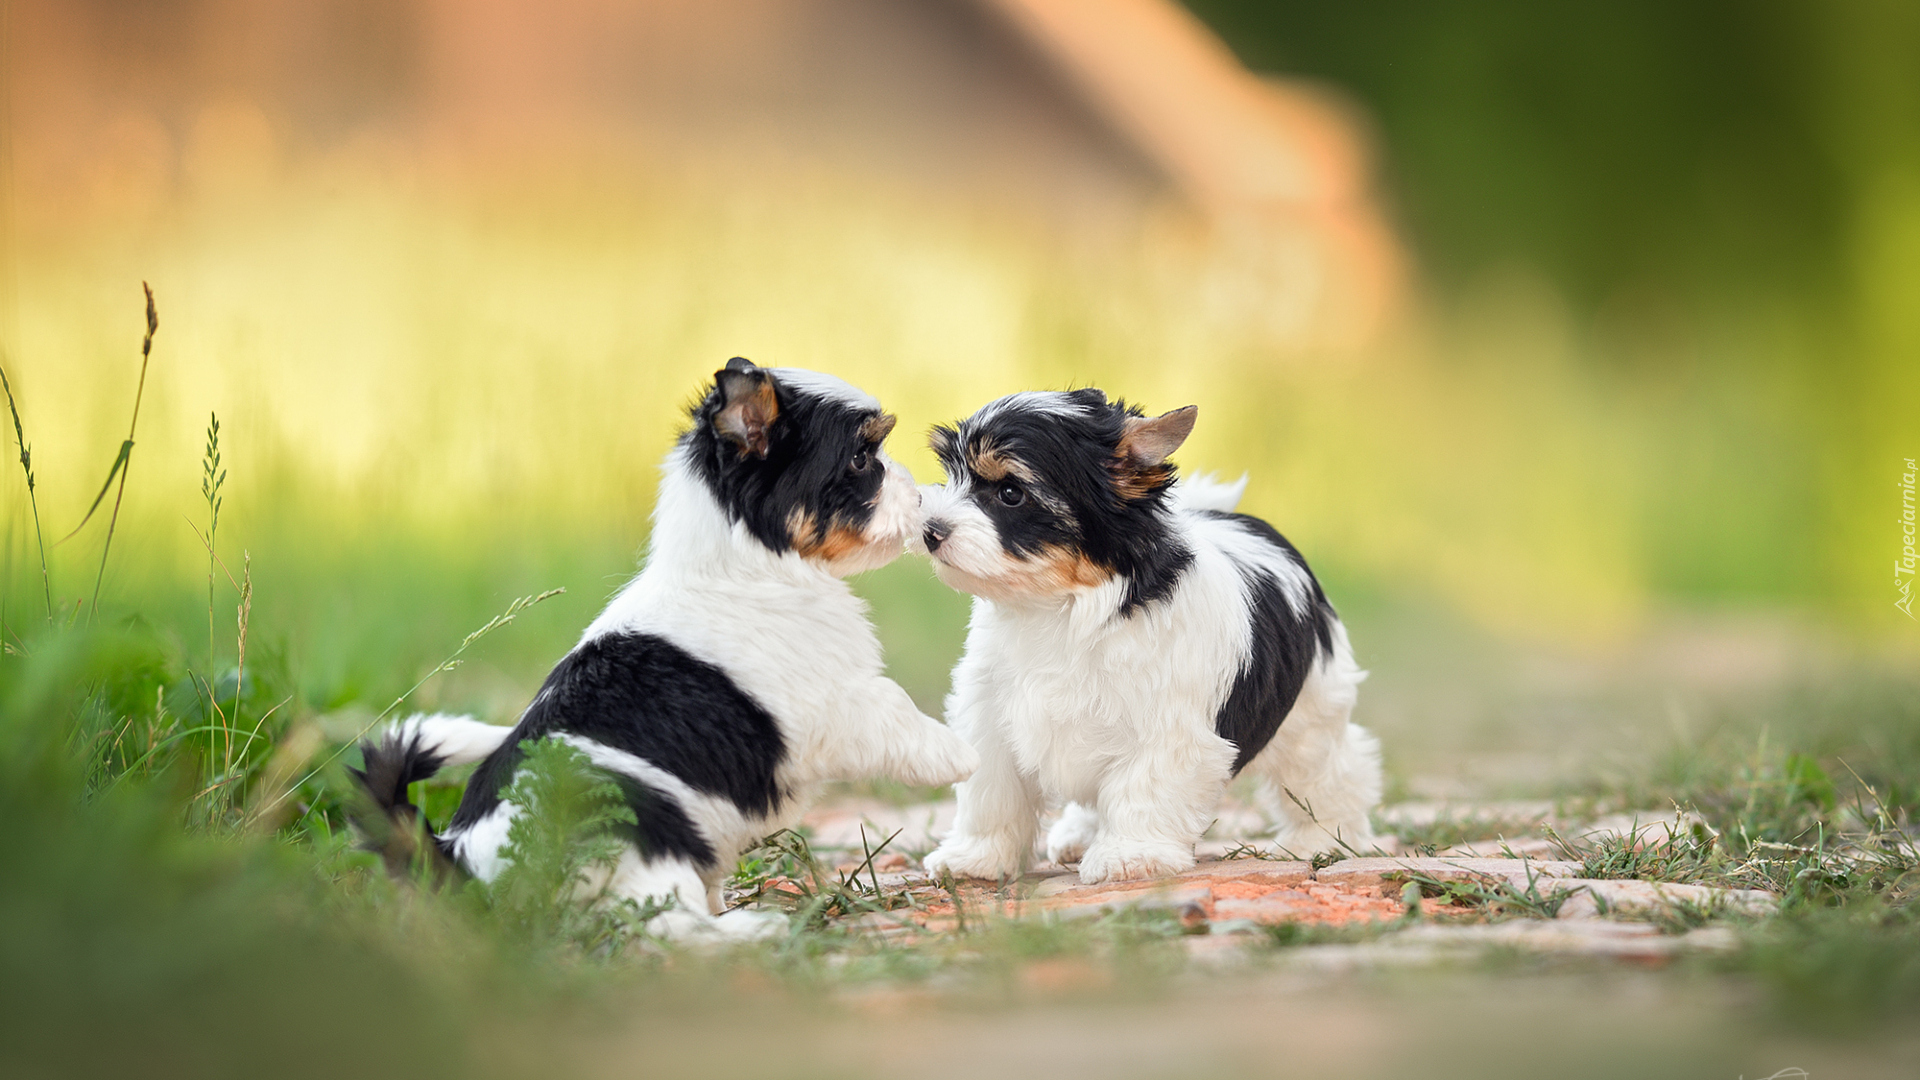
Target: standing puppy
[(737, 672), (1134, 646)]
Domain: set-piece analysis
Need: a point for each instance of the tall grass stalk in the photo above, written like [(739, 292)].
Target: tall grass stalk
[(452, 661), (212, 478), (242, 613), (26, 466), (123, 461)]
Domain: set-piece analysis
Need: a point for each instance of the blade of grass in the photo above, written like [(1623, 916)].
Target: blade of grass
[(243, 613), (163, 743), (211, 479), (26, 466), (119, 463), (871, 853), (124, 462)]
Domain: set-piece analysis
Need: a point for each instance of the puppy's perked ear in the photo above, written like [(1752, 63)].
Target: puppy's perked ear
[(1139, 463), (1146, 443), (747, 406)]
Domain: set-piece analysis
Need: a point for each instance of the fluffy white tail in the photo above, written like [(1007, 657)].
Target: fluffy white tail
[(1207, 492), (415, 749), (454, 740)]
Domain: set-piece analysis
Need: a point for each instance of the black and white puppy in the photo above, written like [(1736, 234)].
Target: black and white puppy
[(734, 675), (1134, 646)]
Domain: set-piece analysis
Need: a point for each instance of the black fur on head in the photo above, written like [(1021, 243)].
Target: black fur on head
[(794, 456), (1077, 480)]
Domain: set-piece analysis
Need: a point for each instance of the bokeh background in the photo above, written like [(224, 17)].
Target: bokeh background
[(1575, 345)]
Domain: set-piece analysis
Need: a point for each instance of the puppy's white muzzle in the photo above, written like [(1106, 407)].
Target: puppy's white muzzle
[(961, 540)]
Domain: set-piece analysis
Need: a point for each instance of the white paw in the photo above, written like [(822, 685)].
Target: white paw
[(1069, 838), (974, 857), (684, 926), (1128, 860), (1064, 851), (742, 924)]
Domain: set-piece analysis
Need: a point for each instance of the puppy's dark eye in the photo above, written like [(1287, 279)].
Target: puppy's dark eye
[(1010, 494), (862, 461)]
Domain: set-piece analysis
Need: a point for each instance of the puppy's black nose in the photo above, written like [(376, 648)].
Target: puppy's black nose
[(936, 533)]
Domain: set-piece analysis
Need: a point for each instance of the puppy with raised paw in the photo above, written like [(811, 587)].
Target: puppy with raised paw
[(1134, 646), (736, 674)]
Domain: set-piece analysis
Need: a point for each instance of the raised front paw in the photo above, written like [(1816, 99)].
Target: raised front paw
[(945, 758), (1128, 860), (975, 857)]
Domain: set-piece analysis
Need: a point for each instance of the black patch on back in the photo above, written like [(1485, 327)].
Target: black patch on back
[(1070, 452), (644, 695), (810, 447), (1285, 646)]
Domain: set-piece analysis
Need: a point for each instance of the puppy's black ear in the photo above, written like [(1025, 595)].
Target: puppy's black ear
[(747, 406), (1146, 443), (878, 427)]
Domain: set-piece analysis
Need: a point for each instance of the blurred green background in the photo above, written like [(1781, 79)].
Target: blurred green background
[(1723, 199)]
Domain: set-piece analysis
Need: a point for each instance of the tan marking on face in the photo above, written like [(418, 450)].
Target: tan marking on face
[(1049, 572), (1059, 569), (833, 542), (995, 464), (941, 440), (877, 429)]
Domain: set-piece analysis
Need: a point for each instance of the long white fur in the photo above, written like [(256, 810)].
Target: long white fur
[(456, 740), (791, 634), (1208, 492), (1053, 402), (1068, 702)]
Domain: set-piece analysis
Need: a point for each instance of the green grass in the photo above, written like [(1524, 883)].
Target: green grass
[(1494, 899), (108, 764)]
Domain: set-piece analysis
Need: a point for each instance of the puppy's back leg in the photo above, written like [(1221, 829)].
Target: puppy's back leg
[(641, 879), (1320, 776)]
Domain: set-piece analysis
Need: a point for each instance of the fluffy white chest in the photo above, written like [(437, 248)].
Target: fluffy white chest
[(1077, 692)]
